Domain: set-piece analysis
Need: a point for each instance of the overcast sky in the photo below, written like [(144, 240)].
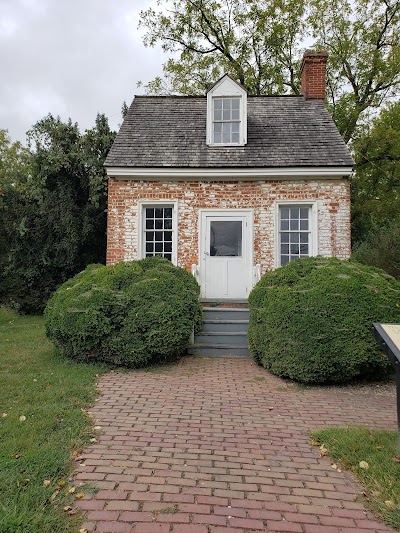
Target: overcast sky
[(71, 58)]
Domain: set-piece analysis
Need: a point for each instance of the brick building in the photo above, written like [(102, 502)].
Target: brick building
[(230, 185)]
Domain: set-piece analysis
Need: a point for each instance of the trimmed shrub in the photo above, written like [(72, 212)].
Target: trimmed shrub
[(311, 320), (129, 314)]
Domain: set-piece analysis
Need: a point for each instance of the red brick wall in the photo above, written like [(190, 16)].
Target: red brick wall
[(333, 213)]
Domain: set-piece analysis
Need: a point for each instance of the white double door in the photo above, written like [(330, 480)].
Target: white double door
[(226, 253)]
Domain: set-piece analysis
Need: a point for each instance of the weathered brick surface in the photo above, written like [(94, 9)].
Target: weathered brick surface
[(333, 208), (224, 421)]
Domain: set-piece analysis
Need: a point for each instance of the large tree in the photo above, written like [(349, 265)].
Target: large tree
[(259, 42), (58, 224)]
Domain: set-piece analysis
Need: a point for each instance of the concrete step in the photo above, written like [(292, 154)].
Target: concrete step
[(225, 325), (218, 337), (218, 350), (226, 313)]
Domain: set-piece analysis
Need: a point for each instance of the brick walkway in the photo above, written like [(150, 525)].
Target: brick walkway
[(219, 445)]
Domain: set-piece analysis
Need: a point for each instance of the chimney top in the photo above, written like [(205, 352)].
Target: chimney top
[(313, 74)]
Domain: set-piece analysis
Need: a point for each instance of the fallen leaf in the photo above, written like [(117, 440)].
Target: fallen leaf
[(396, 459), (4, 415), (315, 442), (83, 530), (323, 451), (364, 465), (390, 505), (46, 483), (16, 455), (93, 440), (80, 495), (72, 512), (54, 496), (67, 508), (71, 490), (97, 427), (62, 482), (334, 466), (22, 418)]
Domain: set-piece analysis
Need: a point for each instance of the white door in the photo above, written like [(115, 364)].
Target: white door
[(226, 254)]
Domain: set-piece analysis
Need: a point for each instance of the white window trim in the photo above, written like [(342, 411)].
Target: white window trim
[(142, 204), (227, 88), (313, 205)]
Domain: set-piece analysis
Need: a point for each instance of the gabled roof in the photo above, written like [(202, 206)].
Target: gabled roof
[(282, 131)]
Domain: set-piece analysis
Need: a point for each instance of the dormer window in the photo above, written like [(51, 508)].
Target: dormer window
[(226, 123), (226, 113)]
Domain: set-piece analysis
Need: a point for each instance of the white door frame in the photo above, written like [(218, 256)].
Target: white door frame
[(203, 214)]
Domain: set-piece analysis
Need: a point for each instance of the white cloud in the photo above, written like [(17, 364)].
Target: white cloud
[(72, 59)]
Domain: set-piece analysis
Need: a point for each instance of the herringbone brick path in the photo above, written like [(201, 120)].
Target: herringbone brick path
[(213, 445)]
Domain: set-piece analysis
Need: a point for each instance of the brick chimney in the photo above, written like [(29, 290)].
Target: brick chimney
[(313, 74)]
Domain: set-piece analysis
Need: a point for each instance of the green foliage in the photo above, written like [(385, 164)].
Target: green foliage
[(311, 320), (55, 224), (52, 394), (381, 249), (130, 314), (349, 446), (376, 183), (259, 43)]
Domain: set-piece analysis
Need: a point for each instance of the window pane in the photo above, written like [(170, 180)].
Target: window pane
[(168, 256), (226, 238), (168, 247), (159, 247), (294, 225), (294, 249), (167, 223), (168, 212), (217, 137), (159, 236), (284, 225), (294, 237), (159, 224), (149, 212), (217, 127), (235, 103), (235, 137), (285, 237), (294, 212), (235, 127), (149, 224), (158, 212), (226, 114), (304, 249), (304, 237), (284, 259), (226, 103), (217, 114), (149, 246), (284, 213), (284, 248), (149, 236), (226, 127), (304, 212), (167, 236), (226, 137), (218, 103), (235, 115), (304, 224)]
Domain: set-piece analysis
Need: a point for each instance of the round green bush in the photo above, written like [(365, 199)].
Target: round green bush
[(129, 314), (311, 320)]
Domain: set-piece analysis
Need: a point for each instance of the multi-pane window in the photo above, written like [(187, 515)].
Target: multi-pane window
[(226, 120), (294, 233), (158, 231)]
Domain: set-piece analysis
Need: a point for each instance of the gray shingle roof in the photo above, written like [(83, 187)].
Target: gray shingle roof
[(282, 131)]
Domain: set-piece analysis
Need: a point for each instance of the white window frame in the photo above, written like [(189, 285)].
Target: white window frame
[(142, 205), (313, 226), (227, 88)]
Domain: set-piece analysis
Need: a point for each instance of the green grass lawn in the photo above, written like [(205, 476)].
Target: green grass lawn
[(381, 480), (50, 392)]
